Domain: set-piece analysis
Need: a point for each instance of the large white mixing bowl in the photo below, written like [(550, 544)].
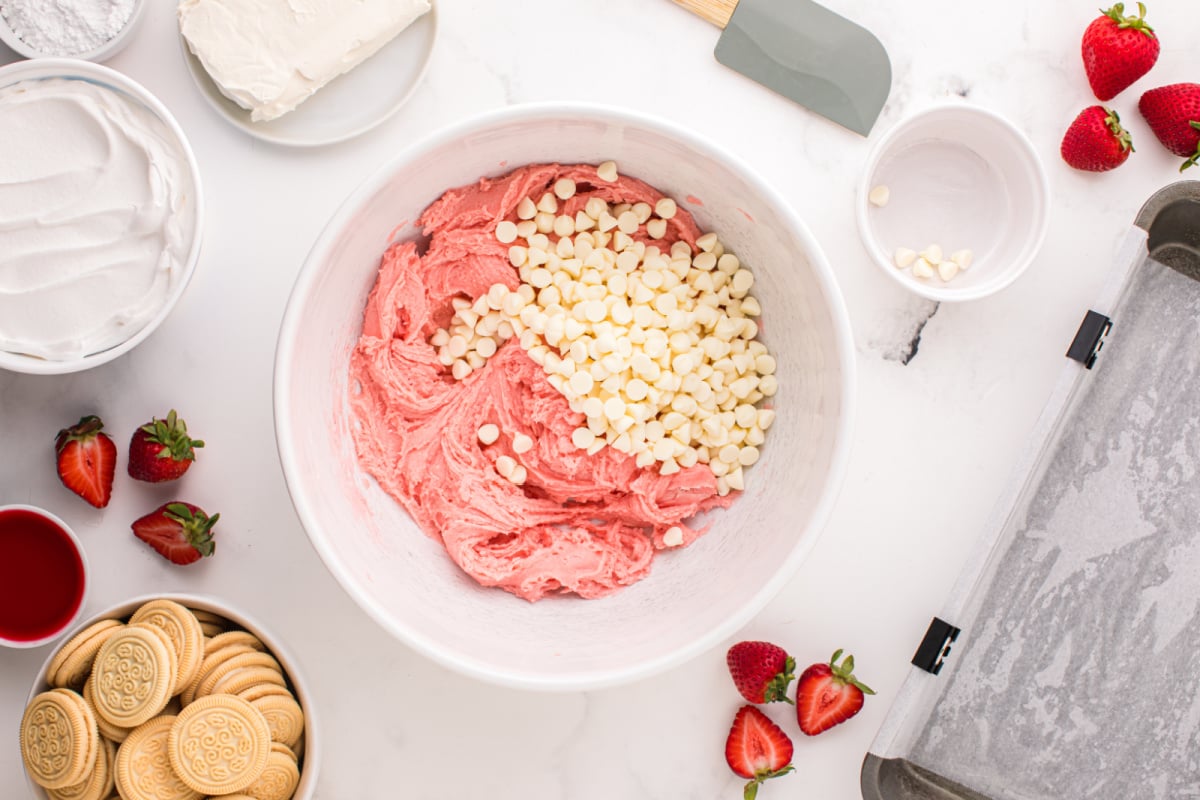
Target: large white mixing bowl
[(695, 597)]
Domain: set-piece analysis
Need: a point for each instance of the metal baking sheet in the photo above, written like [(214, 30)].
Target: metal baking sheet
[(1077, 673)]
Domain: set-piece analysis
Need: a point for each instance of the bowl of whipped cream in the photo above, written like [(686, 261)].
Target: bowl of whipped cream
[(101, 215)]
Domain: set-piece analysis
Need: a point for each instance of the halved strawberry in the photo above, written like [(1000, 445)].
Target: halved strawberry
[(828, 695), (180, 532), (86, 460), (757, 749), (161, 450), (761, 671)]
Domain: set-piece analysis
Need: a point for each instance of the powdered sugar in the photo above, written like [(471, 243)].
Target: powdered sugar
[(66, 27)]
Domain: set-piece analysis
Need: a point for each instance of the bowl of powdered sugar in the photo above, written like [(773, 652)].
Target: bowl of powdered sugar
[(94, 30)]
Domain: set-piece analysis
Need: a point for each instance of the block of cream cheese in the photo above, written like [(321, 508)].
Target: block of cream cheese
[(268, 56)]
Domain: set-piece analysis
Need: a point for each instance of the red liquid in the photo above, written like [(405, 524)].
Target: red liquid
[(41, 576)]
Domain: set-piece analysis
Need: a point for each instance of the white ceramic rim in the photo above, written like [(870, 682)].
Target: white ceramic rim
[(804, 544), (312, 750), (80, 69), (101, 53), (949, 293), (203, 83), (70, 623)]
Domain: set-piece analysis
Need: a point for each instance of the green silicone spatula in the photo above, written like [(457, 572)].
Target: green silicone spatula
[(806, 53)]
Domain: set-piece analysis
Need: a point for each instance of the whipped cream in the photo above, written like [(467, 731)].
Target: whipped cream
[(269, 56), (95, 228)]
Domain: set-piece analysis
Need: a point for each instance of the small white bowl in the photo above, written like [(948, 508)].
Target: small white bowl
[(99, 54), (65, 529), (70, 68), (310, 755), (963, 178)]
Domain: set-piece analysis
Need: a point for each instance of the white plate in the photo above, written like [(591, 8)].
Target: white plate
[(350, 104)]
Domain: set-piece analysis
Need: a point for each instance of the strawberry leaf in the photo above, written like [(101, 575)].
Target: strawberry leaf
[(1138, 23), (777, 688)]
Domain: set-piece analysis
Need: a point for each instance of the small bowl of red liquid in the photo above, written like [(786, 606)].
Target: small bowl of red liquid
[(43, 576)]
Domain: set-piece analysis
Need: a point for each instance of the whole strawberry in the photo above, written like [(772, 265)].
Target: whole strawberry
[(828, 695), (761, 671), (180, 532), (1117, 50), (86, 460), (161, 450), (757, 749), (1096, 142), (1173, 113)]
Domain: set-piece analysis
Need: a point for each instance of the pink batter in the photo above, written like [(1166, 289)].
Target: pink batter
[(580, 524)]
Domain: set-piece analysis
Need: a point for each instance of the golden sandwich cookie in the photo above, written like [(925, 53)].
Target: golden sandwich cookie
[(172, 656), (278, 780), (219, 744), (96, 786), (263, 690), (285, 718), (230, 638), (143, 769), (72, 664), (59, 739), (247, 678), (239, 661), (183, 628), (108, 731), (132, 678), (212, 660)]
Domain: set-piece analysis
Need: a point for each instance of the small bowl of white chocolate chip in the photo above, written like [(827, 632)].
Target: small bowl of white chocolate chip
[(952, 203)]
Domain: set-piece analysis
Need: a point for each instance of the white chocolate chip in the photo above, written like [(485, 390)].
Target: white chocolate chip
[(564, 226), (879, 196), (518, 475), (665, 208), (922, 269), (963, 258), (582, 438), (522, 444), (526, 209), (627, 223), (904, 257), (505, 466), (673, 536), (947, 270), (486, 347), (489, 433), (932, 254), (607, 171), (506, 232), (564, 188)]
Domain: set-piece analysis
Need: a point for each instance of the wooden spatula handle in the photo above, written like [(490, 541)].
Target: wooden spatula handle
[(717, 12)]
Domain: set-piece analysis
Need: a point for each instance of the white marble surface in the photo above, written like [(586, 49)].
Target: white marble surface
[(937, 433)]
